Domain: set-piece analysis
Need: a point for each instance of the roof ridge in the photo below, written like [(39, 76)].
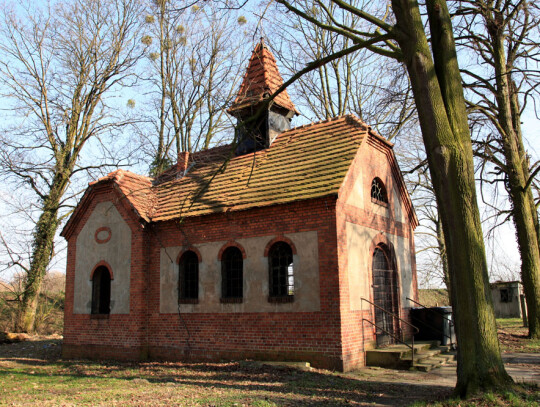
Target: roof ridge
[(261, 57), (134, 174), (315, 123)]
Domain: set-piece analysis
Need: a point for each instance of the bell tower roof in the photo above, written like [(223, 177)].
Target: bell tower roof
[(261, 79)]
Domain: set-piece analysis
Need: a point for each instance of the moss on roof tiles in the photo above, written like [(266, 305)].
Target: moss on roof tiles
[(305, 162), (302, 163)]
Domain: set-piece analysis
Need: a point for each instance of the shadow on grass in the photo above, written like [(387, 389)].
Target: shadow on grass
[(248, 380)]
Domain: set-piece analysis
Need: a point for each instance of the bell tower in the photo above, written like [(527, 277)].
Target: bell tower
[(260, 81)]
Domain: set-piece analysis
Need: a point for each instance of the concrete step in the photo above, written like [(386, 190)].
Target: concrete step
[(427, 356), (433, 362)]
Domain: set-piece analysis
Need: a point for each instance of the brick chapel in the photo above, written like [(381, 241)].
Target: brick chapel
[(272, 248)]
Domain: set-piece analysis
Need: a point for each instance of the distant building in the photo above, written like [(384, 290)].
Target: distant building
[(507, 300), (276, 255)]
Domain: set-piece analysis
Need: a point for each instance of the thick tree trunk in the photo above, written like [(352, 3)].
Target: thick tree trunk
[(444, 257), (441, 108), (43, 248), (517, 169)]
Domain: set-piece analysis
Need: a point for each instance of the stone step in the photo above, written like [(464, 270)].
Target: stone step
[(427, 355), (422, 355), (433, 362)]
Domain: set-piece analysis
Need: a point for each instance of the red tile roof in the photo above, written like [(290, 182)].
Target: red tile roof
[(261, 79), (136, 188), (302, 163)]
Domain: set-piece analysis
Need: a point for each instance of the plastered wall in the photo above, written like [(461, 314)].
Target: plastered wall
[(105, 237), (306, 277), (370, 220), (512, 308), (359, 239), (399, 214)]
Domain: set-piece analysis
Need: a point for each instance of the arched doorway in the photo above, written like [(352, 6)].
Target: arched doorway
[(385, 295)]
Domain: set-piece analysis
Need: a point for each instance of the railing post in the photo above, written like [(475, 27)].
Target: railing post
[(400, 338), (412, 360)]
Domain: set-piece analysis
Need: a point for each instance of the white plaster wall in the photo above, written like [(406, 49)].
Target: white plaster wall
[(116, 252), (507, 309), (359, 240), (360, 196), (306, 277), (356, 197), (398, 207)]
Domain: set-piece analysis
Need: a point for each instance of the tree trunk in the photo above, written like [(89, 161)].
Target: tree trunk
[(517, 170), (439, 99), (43, 248), (444, 258)]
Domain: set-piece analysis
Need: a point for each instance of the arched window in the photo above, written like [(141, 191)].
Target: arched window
[(280, 259), (380, 262), (378, 191), (101, 291), (232, 282), (188, 281)]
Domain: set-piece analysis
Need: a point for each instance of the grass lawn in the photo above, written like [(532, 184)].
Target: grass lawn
[(513, 336), (56, 382), (31, 382), (32, 373)]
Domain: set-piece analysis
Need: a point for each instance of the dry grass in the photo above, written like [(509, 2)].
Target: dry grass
[(513, 336), (520, 396), (42, 379)]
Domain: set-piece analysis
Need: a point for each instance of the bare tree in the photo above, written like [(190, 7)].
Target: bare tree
[(379, 92), (376, 90), (432, 263), (503, 42), (57, 66), (437, 87), (195, 56)]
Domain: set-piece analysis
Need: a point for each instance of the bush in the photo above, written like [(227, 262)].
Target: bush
[(50, 311)]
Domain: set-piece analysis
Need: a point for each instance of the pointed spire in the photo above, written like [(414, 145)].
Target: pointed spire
[(261, 79)]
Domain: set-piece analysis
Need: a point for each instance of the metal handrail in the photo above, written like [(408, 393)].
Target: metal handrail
[(450, 322), (389, 333)]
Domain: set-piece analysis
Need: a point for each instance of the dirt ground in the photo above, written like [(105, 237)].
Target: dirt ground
[(367, 386), (252, 383)]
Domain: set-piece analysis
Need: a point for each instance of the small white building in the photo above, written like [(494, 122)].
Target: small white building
[(507, 299)]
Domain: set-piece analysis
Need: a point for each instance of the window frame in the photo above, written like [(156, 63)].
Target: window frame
[(281, 291), (505, 295), (192, 257), (383, 192), (232, 286)]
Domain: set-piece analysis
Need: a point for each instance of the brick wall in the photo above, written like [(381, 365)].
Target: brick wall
[(333, 337), (359, 335), (312, 336), (119, 336)]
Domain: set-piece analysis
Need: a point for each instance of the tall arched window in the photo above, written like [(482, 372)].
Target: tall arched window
[(188, 281), (232, 282), (378, 192), (101, 291), (280, 259)]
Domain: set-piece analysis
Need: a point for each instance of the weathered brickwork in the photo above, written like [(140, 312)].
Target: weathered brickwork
[(146, 332), (308, 187), (333, 337), (357, 334)]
